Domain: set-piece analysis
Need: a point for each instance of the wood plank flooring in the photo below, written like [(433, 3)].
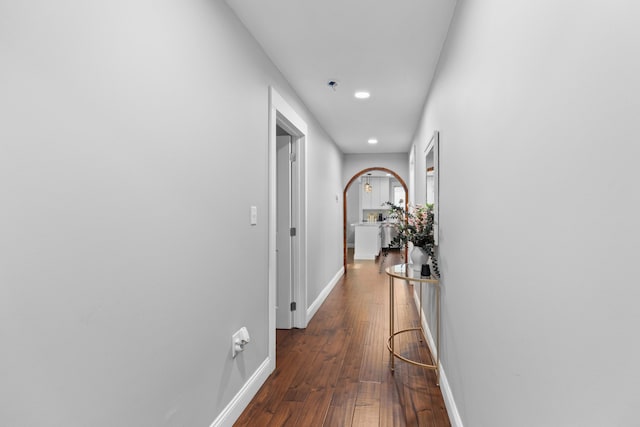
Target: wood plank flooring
[(336, 371)]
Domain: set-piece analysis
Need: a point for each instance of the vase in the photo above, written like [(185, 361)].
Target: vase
[(418, 257)]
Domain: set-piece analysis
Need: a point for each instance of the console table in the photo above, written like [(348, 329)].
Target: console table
[(406, 273)]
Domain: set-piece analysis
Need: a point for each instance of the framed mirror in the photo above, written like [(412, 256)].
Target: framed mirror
[(431, 165)]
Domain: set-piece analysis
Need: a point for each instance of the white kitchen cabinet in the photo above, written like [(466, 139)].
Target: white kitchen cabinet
[(378, 195), (366, 199), (382, 193)]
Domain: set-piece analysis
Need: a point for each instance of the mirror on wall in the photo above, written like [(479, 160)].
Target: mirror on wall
[(431, 165)]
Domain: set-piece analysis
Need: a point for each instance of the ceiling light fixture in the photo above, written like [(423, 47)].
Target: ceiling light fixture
[(372, 141), (362, 95), (367, 184)]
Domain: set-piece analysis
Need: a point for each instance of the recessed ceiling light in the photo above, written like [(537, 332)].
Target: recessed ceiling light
[(372, 141), (362, 95)]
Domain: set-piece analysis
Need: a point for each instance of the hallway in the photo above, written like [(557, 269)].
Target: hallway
[(336, 372)]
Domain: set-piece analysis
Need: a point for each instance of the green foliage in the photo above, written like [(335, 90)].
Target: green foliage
[(414, 225)]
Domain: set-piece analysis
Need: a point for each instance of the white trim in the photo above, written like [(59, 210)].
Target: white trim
[(300, 320), (445, 388), (241, 400), (282, 114), (447, 395), (365, 256), (411, 194), (434, 145), (313, 308)]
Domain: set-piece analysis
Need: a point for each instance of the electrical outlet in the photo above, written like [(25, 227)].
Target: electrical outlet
[(239, 340)]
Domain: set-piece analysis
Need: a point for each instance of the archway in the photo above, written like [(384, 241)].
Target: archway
[(344, 205)]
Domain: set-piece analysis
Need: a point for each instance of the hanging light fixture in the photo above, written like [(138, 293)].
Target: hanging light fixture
[(368, 188), (367, 185)]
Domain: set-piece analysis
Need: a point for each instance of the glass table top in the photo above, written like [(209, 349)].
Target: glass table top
[(405, 271)]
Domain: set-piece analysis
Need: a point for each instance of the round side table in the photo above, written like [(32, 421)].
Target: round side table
[(406, 273)]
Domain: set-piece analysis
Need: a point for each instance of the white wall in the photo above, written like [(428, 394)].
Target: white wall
[(354, 214), (133, 142), (324, 216), (354, 163), (536, 104)]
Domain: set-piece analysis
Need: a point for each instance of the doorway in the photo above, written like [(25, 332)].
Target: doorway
[(346, 197), (286, 228), (282, 116)]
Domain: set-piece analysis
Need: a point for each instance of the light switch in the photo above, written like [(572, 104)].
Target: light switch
[(254, 215)]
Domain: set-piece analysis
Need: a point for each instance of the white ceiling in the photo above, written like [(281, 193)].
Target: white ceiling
[(387, 47)]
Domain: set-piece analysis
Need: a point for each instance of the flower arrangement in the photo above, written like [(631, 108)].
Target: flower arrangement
[(415, 225)]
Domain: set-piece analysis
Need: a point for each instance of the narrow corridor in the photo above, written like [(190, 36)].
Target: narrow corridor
[(336, 372)]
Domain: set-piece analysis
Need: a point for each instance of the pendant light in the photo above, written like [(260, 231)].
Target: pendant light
[(367, 185)]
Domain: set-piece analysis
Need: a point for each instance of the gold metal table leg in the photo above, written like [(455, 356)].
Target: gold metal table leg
[(391, 315), (434, 352)]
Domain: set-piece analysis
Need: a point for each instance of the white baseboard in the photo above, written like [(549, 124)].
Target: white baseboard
[(313, 308), (447, 395), (363, 257), (241, 400), (452, 409)]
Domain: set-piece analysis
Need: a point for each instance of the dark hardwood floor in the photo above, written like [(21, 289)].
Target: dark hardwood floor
[(336, 371)]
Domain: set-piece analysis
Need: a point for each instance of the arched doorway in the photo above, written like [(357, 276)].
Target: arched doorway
[(344, 204)]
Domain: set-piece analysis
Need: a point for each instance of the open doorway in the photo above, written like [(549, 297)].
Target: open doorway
[(286, 227), (284, 120), (366, 230)]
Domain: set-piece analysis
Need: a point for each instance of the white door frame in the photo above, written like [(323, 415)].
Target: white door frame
[(281, 114)]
